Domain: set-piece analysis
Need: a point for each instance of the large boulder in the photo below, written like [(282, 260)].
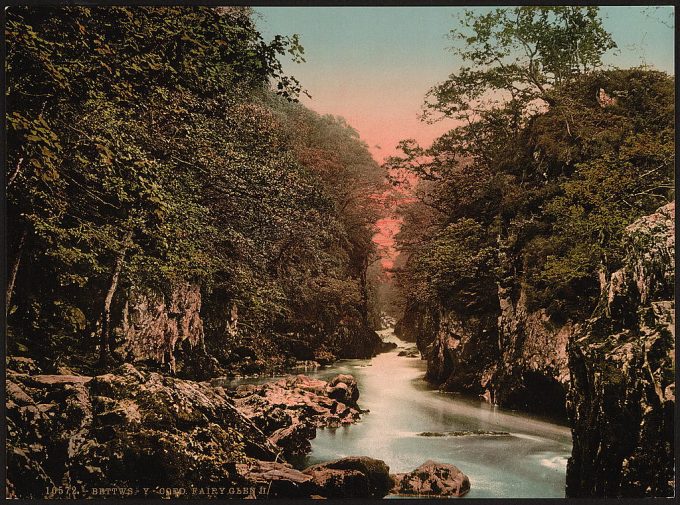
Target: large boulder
[(621, 399), (353, 477), (343, 388), (431, 479), (280, 480)]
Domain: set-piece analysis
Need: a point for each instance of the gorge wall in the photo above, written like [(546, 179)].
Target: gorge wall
[(511, 356), (521, 358), (613, 375), (622, 364)]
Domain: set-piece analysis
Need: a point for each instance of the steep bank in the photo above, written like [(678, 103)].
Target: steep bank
[(612, 374), (622, 362), (166, 331), (517, 357), (132, 433)]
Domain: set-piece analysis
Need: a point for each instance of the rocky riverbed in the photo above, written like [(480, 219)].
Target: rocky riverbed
[(152, 435)]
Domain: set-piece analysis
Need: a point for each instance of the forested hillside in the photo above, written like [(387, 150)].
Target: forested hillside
[(170, 202)]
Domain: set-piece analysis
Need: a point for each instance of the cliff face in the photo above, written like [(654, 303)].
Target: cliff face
[(532, 372), (622, 392), (461, 349), (418, 324), (152, 325), (510, 356), (519, 358)]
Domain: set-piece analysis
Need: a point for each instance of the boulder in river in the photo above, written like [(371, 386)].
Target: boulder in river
[(411, 352), (343, 388), (431, 479), (353, 477)]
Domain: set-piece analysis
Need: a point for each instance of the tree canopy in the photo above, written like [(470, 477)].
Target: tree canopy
[(552, 158)]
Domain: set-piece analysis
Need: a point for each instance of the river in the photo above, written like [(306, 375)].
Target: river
[(530, 463)]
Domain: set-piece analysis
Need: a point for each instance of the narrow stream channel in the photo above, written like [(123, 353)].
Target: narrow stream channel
[(530, 462)]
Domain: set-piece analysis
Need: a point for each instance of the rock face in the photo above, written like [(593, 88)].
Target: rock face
[(622, 395), (431, 479), (506, 353), (418, 324), (532, 372), (152, 325), (462, 348)]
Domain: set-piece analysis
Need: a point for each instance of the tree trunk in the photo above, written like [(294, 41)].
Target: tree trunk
[(13, 271), (17, 169), (364, 291), (105, 337)]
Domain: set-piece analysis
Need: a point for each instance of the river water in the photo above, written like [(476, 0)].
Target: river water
[(529, 463)]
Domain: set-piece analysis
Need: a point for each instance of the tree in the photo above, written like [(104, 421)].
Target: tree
[(523, 52), (551, 171)]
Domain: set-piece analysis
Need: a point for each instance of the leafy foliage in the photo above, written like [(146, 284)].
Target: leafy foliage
[(553, 158), (150, 146)]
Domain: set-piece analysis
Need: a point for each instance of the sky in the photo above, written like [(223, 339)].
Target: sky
[(374, 65)]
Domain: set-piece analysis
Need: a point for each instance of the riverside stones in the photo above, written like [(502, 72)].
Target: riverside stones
[(432, 479), (136, 430), (353, 477), (290, 409)]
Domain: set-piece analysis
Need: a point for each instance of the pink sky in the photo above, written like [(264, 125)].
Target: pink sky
[(374, 65)]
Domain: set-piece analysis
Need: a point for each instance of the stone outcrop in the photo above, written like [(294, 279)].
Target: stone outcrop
[(289, 410), (152, 324), (622, 361), (126, 428), (134, 433), (138, 429), (432, 479)]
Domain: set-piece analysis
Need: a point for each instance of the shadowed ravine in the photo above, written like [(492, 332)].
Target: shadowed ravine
[(531, 462)]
